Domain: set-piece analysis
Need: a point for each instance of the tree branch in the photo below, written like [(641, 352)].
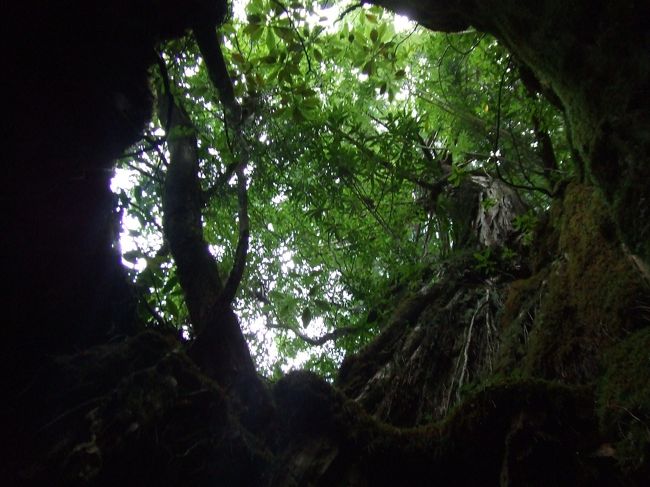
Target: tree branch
[(241, 252), (351, 8), (546, 152), (497, 131), (223, 179), (164, 74), (182, 218), (329, 336), (208, 42)]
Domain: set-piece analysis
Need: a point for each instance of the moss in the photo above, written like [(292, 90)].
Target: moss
[(358, 369), (509, 432), (619, 163), (519, 432), (624, 402), (307, 403), (588, 296), (517, 317)]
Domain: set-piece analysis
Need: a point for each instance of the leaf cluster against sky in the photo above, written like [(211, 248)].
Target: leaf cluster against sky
[(352, 117)]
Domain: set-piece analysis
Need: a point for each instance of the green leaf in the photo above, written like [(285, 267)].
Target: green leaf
[(254, 31), (271, 41), (322, 305), (238, 58), (172, 307), (254, 18), (310, 103), (336, 218), (284, 33), (306, 317), (297, 115)]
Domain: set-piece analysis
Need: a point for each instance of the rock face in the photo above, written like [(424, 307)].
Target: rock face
[(482, 378)]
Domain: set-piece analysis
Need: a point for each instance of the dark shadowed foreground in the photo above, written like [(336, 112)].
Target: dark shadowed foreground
[(530, 374)]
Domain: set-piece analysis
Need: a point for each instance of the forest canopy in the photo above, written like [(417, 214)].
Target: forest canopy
[(343, 172)]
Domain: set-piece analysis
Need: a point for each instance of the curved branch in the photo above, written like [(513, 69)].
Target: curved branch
[(220, 348), (182, 218), (241, 252), (351, 8), (164, 74), (501, 178), (329, 336), (221, 182), (546, 151), (497, 131), (208, 42)]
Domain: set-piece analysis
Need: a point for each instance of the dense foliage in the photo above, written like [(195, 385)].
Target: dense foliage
[(358, 128)]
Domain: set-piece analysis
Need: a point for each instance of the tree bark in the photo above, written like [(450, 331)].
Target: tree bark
[(219, 348)]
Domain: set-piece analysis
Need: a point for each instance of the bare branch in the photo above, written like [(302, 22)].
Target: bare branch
[(164, 74), (351, 8), (208, 42), (218, 186), (327, 337), (546, 151), (182, 218), (241, 252)]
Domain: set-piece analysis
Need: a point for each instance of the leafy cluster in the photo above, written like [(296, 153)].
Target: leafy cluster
[(355, 127)]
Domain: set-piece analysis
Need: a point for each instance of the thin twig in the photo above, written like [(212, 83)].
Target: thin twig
[(302, 41), (464, 53), (351, 8)]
